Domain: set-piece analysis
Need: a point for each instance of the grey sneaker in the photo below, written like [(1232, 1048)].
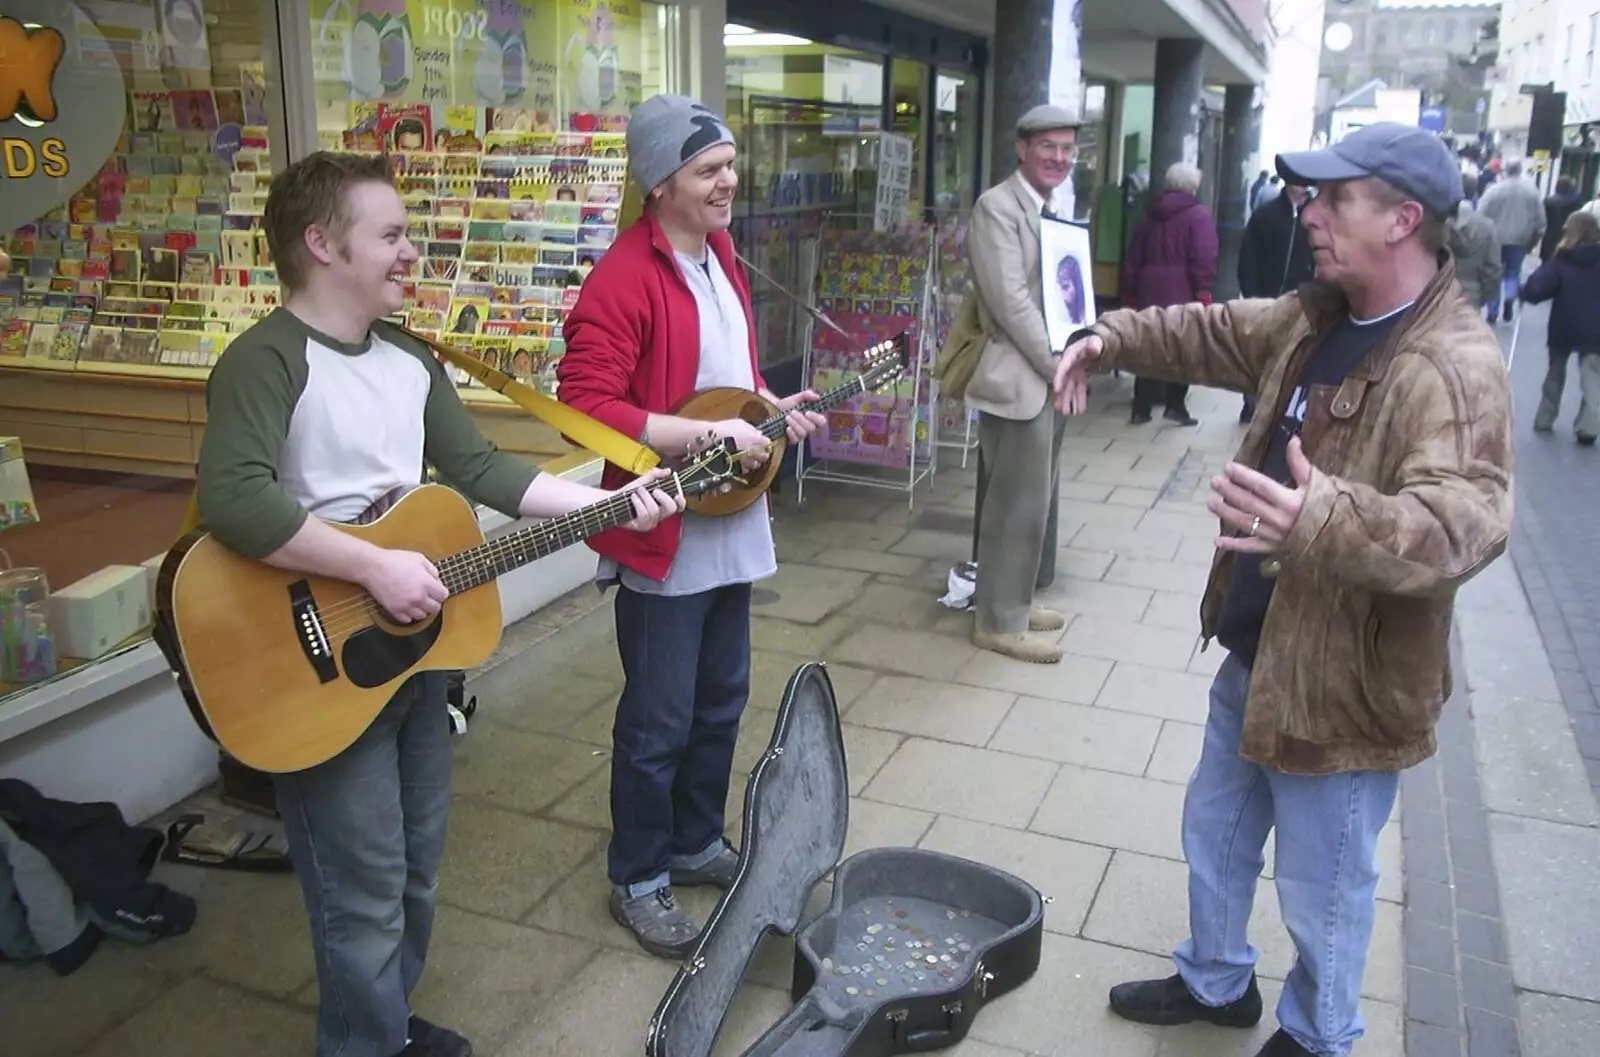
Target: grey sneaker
[(720, 871), (656, 922)]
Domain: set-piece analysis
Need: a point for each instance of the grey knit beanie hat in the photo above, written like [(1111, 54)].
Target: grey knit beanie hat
[(666, 132)]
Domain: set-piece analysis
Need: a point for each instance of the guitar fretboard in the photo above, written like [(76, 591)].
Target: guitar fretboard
[(478, 565)]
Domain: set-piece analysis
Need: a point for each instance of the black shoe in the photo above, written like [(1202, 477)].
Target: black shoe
[(1139, 418), (720, 871), (1507, 312), (1281, 1045), (430, 1040), (1181, 416), (1585, 440), (1168, 1002)]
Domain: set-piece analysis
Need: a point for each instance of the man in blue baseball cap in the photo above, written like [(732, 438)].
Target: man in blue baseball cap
[(1372, 483)]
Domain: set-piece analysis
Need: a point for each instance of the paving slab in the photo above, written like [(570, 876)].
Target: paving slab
[(1547, 879), (976, 784), (1528, 759)]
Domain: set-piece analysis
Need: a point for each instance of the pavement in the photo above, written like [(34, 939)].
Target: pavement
[(1069, 775)]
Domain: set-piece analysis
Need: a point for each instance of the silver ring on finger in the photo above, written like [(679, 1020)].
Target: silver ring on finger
[(1255, 525)]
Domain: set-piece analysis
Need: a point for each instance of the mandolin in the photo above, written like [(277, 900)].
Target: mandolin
[(285, 670), (884, 365)]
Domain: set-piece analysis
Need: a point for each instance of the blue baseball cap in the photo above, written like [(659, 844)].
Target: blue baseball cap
[(1410, 158)]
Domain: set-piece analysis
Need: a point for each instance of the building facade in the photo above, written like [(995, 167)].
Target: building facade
[(1436, 49)]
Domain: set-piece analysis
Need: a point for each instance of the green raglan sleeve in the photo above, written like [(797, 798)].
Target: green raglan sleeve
[(250, 398), (461, 453)]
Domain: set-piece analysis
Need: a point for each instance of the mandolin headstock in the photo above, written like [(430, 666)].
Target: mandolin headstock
[(886, 363)]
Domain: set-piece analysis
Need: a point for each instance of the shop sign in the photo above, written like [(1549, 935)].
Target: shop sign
[(61, 110)]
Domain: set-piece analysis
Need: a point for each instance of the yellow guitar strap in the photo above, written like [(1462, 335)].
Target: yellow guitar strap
[(595, 436)]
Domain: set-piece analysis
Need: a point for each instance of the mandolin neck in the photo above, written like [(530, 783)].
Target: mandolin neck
[(490, 560), (773, 427)]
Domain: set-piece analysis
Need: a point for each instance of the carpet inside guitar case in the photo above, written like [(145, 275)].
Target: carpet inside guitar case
[(912, 945)]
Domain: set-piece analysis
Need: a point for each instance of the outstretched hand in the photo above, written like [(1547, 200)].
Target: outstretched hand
[(1255, 505), (1072, 375)]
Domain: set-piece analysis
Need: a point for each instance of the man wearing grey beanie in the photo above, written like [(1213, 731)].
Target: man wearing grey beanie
[(666, 312)]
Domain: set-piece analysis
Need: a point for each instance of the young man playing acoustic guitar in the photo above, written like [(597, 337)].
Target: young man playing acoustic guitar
[(322, 412), (666, 312)]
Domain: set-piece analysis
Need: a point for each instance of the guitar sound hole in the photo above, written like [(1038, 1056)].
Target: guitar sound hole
[(374, 655)]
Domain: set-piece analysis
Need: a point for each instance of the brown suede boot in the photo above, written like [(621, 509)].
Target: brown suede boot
[(1018, 646)]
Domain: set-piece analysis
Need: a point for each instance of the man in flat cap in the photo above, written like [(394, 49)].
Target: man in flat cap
[(1019, 432), (1373, 482), (666, 312)]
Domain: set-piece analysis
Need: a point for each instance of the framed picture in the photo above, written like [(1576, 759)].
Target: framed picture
[(1068, 278)]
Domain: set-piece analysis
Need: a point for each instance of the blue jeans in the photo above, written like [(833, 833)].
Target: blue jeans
[(366, 832), (1511, 258), (686, 665), (1326, 872)]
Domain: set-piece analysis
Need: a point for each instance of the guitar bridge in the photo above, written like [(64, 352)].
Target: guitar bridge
[(309, 631)]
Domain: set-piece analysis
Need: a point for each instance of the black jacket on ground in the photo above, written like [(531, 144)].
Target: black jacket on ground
[(1557, 208), (103, 860), (1275, 254), (1572, 279)]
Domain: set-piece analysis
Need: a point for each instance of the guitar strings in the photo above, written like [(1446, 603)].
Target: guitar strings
[(470, 568), (479, 564)]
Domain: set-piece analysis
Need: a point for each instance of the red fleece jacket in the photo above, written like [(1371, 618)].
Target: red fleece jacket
[(633, 348)]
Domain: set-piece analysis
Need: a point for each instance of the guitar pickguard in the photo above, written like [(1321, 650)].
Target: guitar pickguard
[(373, 655)]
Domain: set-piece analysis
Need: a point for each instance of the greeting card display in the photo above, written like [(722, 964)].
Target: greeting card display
[(158, 260), (874, 285)]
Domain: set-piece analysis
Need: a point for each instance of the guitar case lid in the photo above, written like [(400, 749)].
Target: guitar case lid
[(796, 812), (913, 943)]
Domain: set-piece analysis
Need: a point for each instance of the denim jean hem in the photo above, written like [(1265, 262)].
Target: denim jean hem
[(700, 858), (643, 888), (1224, 1003)]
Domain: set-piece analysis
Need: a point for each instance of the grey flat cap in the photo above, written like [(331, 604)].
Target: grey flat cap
[(1412, 159), (1044, 118)]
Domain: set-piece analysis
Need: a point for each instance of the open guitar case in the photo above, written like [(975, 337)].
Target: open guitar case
[(911, 947)]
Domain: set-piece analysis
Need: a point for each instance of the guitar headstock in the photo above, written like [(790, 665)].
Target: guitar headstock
[(712, 462), (886, 362)]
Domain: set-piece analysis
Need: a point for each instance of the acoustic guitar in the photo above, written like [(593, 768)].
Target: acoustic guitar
[(285, 670), (885, 363)]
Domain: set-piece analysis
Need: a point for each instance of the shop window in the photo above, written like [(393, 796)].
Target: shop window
[(807, 117), (955, 149), (114, 307), (908, 117), (505, 124)]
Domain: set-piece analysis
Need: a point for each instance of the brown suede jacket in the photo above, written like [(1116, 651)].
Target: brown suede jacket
[(1410, 496)]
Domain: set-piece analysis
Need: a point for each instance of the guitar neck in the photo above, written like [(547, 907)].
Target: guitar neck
[(488, 561), (773, 427)]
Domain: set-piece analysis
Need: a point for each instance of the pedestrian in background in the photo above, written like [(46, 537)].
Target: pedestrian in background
[(1557, 208), (1171, 260), (1474, 244), (1274, 256), (1571, 280), (1513, 204)]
